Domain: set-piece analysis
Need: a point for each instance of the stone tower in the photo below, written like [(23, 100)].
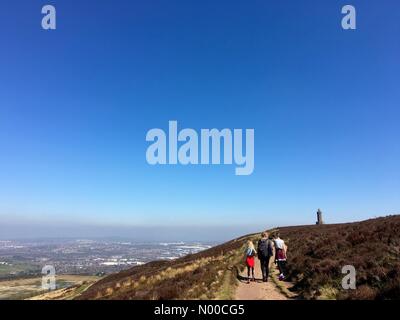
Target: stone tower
[(319, 217)]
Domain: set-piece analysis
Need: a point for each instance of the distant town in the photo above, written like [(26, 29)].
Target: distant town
[(26, 258)]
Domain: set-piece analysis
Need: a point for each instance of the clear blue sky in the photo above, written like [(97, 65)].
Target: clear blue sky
[(76, 103)]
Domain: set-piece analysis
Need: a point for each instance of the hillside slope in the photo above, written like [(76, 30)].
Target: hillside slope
[(316, 255), (210, 274)]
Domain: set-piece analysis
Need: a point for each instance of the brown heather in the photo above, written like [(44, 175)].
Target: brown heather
[(318, 253)]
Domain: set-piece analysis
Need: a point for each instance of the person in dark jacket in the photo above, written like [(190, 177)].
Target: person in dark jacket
[(264, 252)]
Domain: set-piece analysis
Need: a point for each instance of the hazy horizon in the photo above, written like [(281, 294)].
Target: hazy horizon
[(15, 229)]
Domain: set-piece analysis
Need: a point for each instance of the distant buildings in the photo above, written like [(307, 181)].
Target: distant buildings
[(319, 217)]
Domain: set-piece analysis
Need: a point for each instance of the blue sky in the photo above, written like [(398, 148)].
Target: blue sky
[(76, 104)]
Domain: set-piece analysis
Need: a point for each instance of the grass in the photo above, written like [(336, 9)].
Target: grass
[(24, 288), (281, 285), (227, 289)]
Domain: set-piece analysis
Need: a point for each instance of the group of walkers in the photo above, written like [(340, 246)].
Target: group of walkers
[(267, 247)]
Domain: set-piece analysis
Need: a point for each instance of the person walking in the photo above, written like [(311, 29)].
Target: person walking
[(264, 252), (250, 253), (280, 255)]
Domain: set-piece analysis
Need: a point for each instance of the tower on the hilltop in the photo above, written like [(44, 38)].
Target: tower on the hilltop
[(319, 217)]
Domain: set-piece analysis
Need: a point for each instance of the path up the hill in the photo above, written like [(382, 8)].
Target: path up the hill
[(258, 290)]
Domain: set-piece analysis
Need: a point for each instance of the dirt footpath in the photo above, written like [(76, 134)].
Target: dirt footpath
[(258, 290)]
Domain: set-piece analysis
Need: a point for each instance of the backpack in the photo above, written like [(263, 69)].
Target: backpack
[(265, 248)]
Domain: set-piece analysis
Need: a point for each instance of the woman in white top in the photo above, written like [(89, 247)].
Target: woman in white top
[(280, 255)]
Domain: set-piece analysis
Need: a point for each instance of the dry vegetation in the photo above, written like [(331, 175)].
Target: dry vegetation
[(25, 288), (210, 274), (318, 253)]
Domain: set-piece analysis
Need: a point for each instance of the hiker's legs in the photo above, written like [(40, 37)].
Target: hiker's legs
[(262, 262), (267, 268), (282, 267), (264, 268), (252, 271), (248, 271), (279, 266)]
